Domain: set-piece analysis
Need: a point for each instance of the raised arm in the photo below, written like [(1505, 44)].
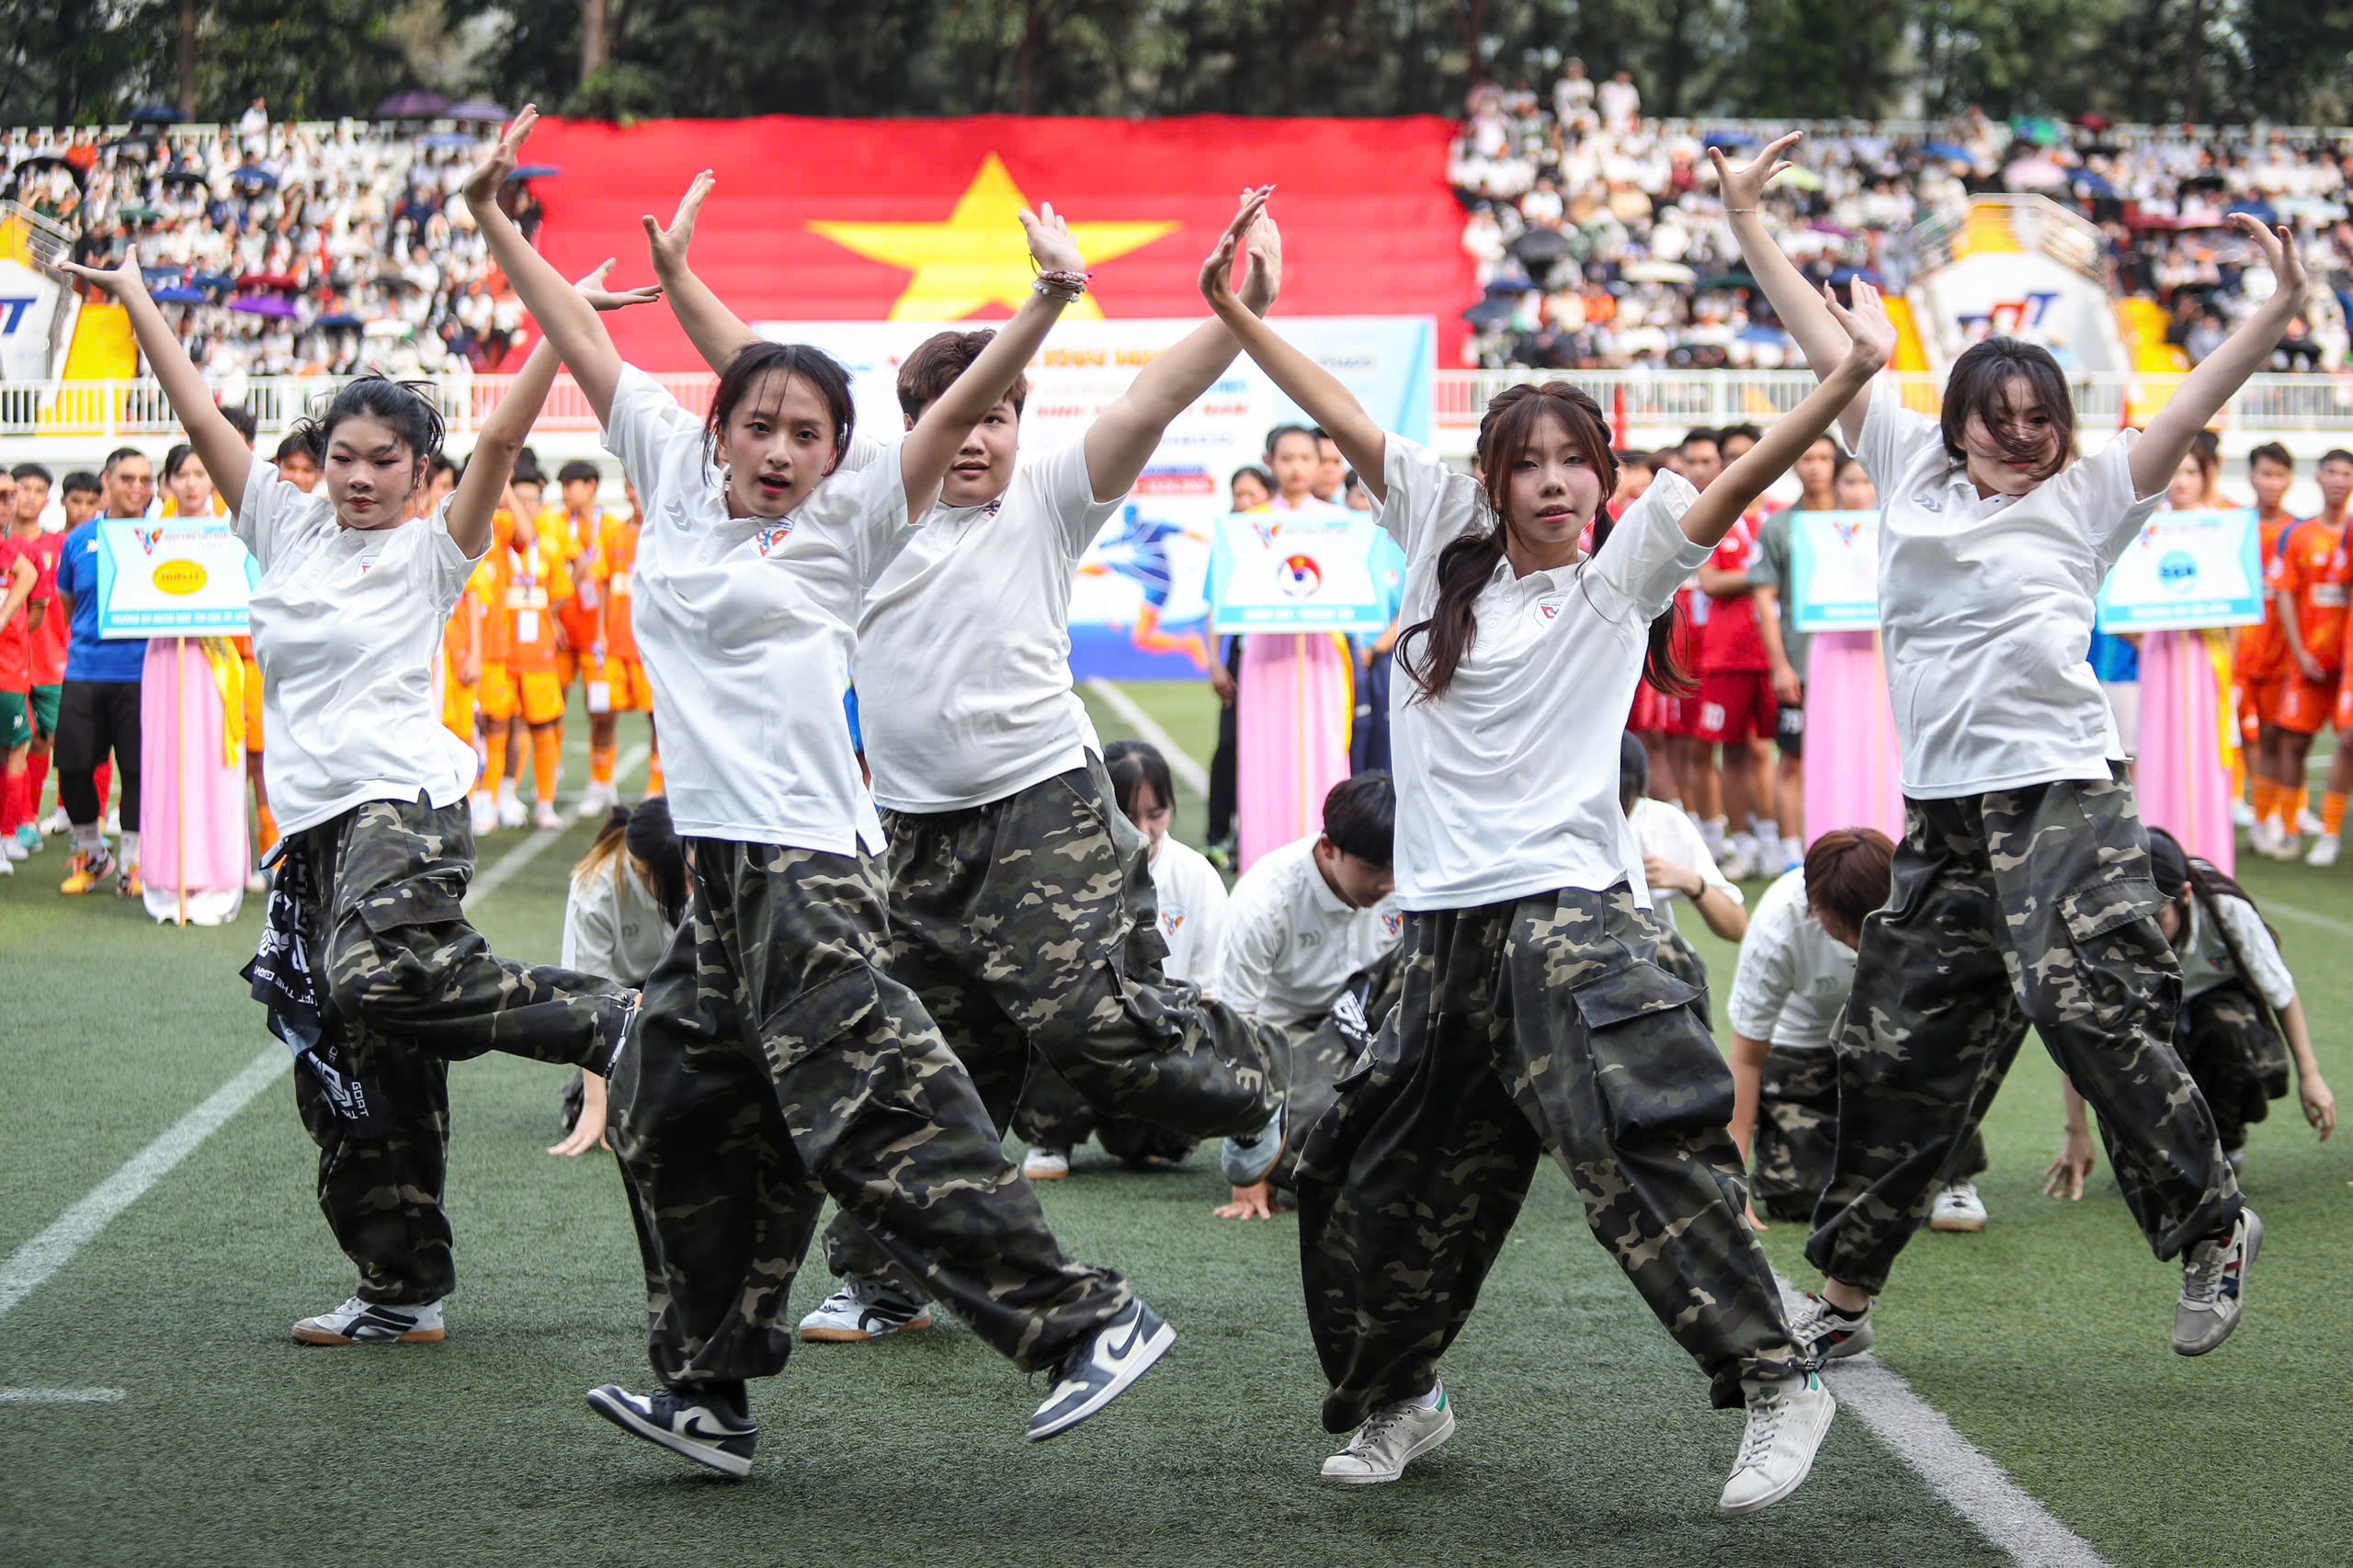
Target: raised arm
[(483, 486), (1870, 337), (2220, 375), (226, 457), (716, 332), (1305, 383), (569, 321), (932, 445), (1802, 310), (1124, 436)]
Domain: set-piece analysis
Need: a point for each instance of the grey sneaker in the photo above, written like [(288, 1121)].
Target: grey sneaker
[(2213, 1287), (1823, 1333), (1246, 1161), (1391, 1439)]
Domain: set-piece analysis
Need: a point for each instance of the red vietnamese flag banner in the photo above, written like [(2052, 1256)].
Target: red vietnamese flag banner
[(868, 220)]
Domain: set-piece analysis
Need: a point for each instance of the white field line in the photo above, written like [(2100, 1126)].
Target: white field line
[(1187, 771), (62, 1396), (54, 1247), (2308, 917)]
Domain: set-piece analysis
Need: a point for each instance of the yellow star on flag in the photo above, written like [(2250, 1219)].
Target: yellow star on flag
[(978, 257)]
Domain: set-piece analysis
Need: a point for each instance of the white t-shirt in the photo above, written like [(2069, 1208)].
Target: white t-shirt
[(744, 624), (2206, 961), (963, 646), (1290, 944), (612, 925), (1508, 784), (1193, 902), (346, 628), (1985, 609), (1663, 831), (1793, 977)]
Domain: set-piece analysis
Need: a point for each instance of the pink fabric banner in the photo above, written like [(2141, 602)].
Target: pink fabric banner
[(186, 779), (2181, 778), (1291, 717), (1853, 776)]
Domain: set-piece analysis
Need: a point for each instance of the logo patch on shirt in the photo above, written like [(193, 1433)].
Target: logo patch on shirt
[(1171, 922), (1391, 924), (1549, 609), (770, 539)]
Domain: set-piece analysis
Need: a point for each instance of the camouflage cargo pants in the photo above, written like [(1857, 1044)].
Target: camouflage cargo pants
[(1796, 1142), (776, 1065), (2234, 1056), (1028, 928), (410, 987), (1527, 1028), (2010, 908)]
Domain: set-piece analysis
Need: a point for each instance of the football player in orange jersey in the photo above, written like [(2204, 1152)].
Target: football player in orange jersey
[(2335, 493), (613, 677), (2260, 657), (521, 584), (2309, 594)]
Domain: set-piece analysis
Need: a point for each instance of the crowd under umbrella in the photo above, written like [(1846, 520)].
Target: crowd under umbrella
[(180, 294), (1501, 304), (417, 103), (2261, 212), (2034, 173), (2092, 184), (252, 177), (1946, 151), (477, 112), (182, 177), (155, 114), (1660, 272), (1538, 249), (443, 141), (277, 305)]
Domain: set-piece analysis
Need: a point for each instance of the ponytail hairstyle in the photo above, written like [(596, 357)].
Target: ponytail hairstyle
[(1506, 432), (1980, 385)]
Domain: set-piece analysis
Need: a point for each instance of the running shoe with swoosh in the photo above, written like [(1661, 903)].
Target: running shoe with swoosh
[(1099, 1370), (704, 1431)]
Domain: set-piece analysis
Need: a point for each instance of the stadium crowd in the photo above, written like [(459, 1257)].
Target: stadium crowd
[(1598, 242), (286, 249)]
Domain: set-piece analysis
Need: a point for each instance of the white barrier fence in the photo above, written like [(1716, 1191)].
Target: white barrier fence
[(2268, 407)]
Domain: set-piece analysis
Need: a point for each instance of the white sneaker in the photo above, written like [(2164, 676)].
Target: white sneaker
[(114, 822), (1958, 1208), (2306, 821), (1391, 1439), (2262, 838), (1735, 865), (2286, 845), (1042, 1164), (57, 822), (859, 1310), (512, 815), (12, 849), (546, 818), (7, 867), (2323, 851), (2242, 814), (484, 811), (366, 1323), (1786, 1419), (596, 801)]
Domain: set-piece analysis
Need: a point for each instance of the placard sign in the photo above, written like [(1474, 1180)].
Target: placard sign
[(1833, 558), (1272, 571), (178, 577), (2187, 570)]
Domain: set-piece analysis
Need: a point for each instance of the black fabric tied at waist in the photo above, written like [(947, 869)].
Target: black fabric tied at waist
[(285, 981)]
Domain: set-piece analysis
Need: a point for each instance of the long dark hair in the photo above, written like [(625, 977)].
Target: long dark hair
[(755, 360), (1506, 432), (1980, 384), (2170, 865)]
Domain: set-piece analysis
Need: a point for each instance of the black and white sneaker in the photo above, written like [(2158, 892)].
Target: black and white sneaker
[(861, 1310), (705, 1431), (369, 1323), (1823, 1333), (1100, 1370)]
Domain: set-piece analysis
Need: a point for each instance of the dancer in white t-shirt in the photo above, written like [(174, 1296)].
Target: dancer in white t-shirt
[(1022, 898), (1529, 1024), (372, 975), (776, 1063), (2022, 891)]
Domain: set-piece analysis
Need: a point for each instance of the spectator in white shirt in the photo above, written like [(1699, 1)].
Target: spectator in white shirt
[(626, 899), (1620, 102), (1311, 944)]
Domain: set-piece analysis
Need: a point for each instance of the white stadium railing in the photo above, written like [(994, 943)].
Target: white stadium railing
[(2305, 403)]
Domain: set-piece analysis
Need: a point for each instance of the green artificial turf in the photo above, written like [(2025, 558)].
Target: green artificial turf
[(1585, 1435)]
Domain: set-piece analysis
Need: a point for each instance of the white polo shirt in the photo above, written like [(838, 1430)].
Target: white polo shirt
[(744, 624), (1290, 944), (963, 646), (1508, 784), (1793, 976), (613, 925), (346, 628), (1663, 831), (1985, 609), (1192, 900)]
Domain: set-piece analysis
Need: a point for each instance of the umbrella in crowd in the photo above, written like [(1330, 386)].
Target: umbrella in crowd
[(1729, 139), (2035, 130), (2093, 184), (155, 114), (2034, 173), (178, 295), (1660, 272), (48, 161), (264, 306), (1539, 247), (284, 280), (1948, 151), (141, 213), (254, 177), (182, 177), (338, 322), (442, 141), (477, 111), (1801, 178), (2262, 212), (415, 104), (536, 171)]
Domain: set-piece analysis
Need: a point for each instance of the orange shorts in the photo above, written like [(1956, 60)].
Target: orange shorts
[(2302, 705), (627, 689), (457, 700), (2342, 717), (253, 709), (537, 694)]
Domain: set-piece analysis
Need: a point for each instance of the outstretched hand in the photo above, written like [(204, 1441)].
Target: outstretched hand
[(124, 280), (1867, 324), (1050, 245), (2280, 254), (1742, 186), (669, 245), (592, 289), (1217, 272), (498, 164)]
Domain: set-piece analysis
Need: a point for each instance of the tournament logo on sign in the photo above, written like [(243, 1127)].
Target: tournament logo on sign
[(147, 537), (1301, 576), (2177, 569)]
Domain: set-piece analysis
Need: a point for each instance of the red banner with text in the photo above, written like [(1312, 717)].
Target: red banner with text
[(826, 220)]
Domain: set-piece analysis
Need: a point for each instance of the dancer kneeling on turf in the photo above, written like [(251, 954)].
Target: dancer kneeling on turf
[(1528, 1023), (2021, 890), (776, 1063), (371, 974), (1797, 965)]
